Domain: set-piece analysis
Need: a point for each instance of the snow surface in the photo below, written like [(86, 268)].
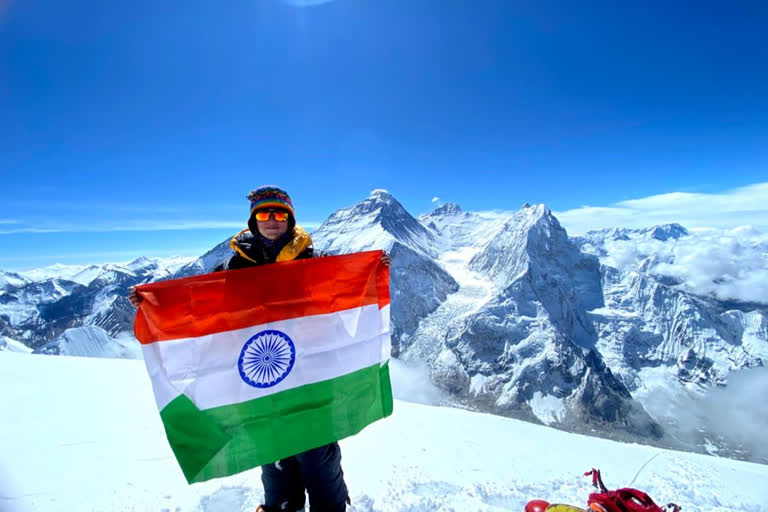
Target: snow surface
[(474, 291), (93, 341), (86, 436), (547, 408), (12, 345)]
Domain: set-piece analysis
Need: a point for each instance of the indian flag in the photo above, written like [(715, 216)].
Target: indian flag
[(251, 366)]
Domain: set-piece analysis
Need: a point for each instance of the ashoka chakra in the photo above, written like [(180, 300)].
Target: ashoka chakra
[(266, 359)]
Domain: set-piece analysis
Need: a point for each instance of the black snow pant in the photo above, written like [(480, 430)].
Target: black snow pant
[(318, 471)]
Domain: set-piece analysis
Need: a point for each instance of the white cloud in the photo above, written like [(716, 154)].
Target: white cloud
[(411, 383), (728, 264), (741, 206), (435, 199), (736, 413)]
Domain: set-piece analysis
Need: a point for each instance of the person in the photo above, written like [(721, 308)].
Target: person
[(272, 235)]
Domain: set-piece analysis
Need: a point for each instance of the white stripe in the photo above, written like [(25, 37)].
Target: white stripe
[(327, 346)]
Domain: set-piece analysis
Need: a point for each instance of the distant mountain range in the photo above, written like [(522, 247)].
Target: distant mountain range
[(510, 314)]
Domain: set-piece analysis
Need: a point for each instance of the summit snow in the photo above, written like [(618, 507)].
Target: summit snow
[(418, 284), (94, 441), (375, 223)]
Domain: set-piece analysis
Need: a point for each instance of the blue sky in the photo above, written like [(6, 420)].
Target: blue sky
[(137, 128)]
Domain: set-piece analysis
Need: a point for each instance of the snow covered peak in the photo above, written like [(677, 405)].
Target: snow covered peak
[(447, 209), (381, 194), (601, 242), (11, 279), (375, 223), (457, 228), (662, 232), (379, 201), (666, 231), (207, 262), (531, 234), (531, 260), (55, 271), (538, 213), (139, 263)]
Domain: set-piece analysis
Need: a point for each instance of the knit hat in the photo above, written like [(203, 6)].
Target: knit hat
[(270, 196)]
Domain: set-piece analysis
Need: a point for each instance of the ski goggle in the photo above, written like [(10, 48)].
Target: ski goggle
[(279, 215)]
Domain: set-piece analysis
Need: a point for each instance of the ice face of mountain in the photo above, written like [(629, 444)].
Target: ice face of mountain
[(375, 223), (665, 232), (457, 228), (418, 285), (207, 262), (447, 214), (730, 265), (662, 232), (11, 279), (652, 318), (89, 274), (89, 341), (646, 323), (532, 257), (448, 209), (140, 263), (35, 312), (56, 271), (527, 351), (158, 268), (594, 242), (751, 329)]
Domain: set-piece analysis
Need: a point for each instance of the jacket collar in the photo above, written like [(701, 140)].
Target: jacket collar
[(298, 244)]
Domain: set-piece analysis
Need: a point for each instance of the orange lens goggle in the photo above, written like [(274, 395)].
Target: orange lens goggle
[(263, 215)]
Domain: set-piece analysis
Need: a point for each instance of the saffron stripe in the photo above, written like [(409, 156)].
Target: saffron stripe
[(225, 301)]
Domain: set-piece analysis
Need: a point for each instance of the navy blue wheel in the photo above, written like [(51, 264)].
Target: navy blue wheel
[(266, 359)]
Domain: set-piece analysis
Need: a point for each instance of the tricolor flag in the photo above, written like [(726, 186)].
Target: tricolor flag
[(251, 366)]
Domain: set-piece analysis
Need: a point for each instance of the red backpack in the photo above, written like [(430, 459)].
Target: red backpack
[(622, 500)]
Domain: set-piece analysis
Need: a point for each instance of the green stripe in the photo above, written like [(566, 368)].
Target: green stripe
[(233, 438)]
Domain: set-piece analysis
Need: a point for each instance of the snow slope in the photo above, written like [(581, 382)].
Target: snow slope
[(11, 279), (12, 345), (92, 341), (86, 436)]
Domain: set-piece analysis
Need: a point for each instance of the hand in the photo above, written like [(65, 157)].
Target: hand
[(134, 297), (385, 259)]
